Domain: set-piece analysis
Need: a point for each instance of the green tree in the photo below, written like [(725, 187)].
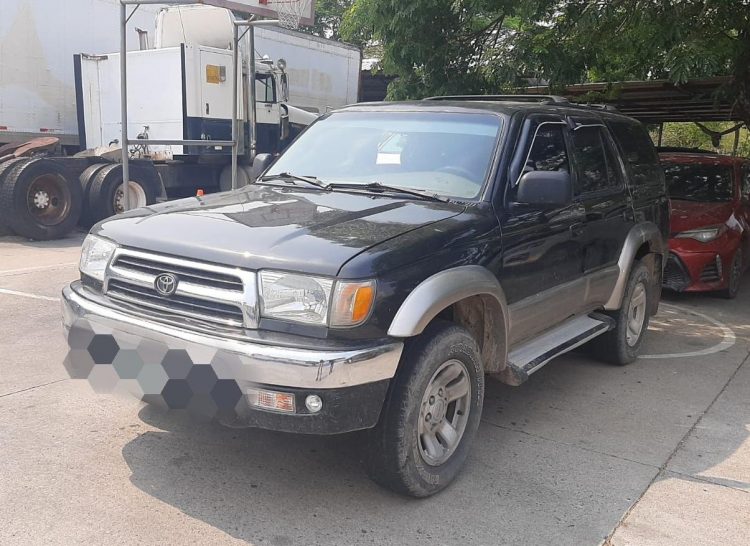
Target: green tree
[(476, 46), (328, 16)]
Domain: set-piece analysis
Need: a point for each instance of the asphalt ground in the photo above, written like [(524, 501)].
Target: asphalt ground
[(583, 453)]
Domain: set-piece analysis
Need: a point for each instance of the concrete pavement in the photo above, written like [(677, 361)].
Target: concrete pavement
[(653, 453)]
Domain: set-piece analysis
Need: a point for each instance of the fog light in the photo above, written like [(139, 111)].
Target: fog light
[(271, 400), (313, 403)]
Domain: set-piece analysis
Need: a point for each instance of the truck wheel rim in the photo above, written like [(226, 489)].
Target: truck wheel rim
[(444, 412), (137, 197), (636, 314), (48, 199)]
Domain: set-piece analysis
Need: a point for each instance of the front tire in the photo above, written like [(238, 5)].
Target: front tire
[(622, 344), (735, 274), (431, 414)]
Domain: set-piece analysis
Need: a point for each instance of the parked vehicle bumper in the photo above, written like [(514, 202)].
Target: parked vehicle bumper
[(184, 369), (698, 271)]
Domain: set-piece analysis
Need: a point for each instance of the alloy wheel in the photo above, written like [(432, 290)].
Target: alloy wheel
[(444, 412), (636, 314)]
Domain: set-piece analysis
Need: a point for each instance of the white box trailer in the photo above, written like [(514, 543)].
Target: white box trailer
[(181, 90), (38, 39), (323, 74)]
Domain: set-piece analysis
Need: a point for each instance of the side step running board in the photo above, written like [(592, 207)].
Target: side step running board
[(535, 353)]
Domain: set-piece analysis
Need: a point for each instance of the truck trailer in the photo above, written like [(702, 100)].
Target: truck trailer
[(180, 89)]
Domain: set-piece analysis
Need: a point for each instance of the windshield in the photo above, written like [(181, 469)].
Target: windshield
[(443, 153), (703, 183)]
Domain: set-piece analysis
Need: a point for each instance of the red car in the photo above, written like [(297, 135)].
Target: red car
[(710, 227)]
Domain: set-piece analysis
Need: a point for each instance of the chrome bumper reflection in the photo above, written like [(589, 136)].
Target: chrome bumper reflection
[(242, 361)]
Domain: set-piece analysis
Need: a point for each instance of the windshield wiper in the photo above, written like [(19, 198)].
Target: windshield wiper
[(381, 188), (290, 178)]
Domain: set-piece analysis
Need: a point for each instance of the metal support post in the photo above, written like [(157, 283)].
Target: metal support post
[(661, 133), (252, 97), (124, 104), (235, 136)]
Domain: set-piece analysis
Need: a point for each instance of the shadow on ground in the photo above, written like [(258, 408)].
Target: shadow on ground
[(558, 460)]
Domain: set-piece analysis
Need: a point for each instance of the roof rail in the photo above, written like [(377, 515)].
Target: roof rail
[(548, 99), (598, 106)]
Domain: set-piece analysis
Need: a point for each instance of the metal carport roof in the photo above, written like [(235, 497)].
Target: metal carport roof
[(656, 101)]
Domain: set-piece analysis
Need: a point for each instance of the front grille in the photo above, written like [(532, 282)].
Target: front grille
[(199, 276), (712, 272), (205, 292), (199, 308), (676, 276)]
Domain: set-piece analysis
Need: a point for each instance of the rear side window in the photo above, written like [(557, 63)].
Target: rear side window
[(638, 151), (595, 161), (746, 181)]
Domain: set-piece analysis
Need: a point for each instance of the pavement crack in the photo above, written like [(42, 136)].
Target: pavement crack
[(34, 387), (576, 446), (663, 468)]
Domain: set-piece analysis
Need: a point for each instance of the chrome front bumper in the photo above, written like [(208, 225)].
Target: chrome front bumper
[(214, 375), (255, 362)]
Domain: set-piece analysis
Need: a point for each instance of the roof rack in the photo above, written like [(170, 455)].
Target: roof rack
[(547, 99)]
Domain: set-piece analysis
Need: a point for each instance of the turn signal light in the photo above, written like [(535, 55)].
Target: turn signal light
[(271, 400), (352, 302)]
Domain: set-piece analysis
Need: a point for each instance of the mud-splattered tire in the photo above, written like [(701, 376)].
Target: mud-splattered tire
[(621, 344), (431, 413)]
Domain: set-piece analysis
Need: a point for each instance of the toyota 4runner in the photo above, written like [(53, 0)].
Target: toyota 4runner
[(378, 270)]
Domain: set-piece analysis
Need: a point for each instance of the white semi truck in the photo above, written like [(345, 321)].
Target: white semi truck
[(179, 89)]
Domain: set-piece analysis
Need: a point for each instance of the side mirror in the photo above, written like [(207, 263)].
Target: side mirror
[(261, 162), (545, 189)]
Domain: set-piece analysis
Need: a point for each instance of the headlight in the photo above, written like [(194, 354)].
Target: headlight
[(95, 255), (308, 300), (297, 298), (704, 235)]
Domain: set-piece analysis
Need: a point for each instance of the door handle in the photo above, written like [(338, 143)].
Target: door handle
[(576, 229)]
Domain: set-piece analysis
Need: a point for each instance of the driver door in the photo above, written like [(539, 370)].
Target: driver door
[(542, 266)]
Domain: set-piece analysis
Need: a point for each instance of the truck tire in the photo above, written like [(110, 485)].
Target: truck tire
[(86, 178), (621, 345), (105, 197), (5, 168), (39, 201), (431, 413)]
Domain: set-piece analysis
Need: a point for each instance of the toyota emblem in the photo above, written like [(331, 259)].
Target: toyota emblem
[(166, 284)]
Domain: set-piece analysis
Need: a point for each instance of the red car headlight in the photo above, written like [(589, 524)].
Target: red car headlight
[(703, 235)]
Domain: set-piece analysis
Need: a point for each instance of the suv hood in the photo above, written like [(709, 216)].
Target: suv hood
[(264, 226), (691, 215)]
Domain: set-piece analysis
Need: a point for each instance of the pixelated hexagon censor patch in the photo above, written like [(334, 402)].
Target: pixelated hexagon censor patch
[(171, 377)]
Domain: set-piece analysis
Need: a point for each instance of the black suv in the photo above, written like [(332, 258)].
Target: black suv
[(391, 258)]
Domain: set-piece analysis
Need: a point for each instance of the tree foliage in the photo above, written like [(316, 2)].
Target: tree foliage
[(477, 46), (328, 15)]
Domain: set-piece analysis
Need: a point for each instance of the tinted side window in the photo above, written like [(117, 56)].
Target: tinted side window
[(638, 151), (548, 152), (594, 160)]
